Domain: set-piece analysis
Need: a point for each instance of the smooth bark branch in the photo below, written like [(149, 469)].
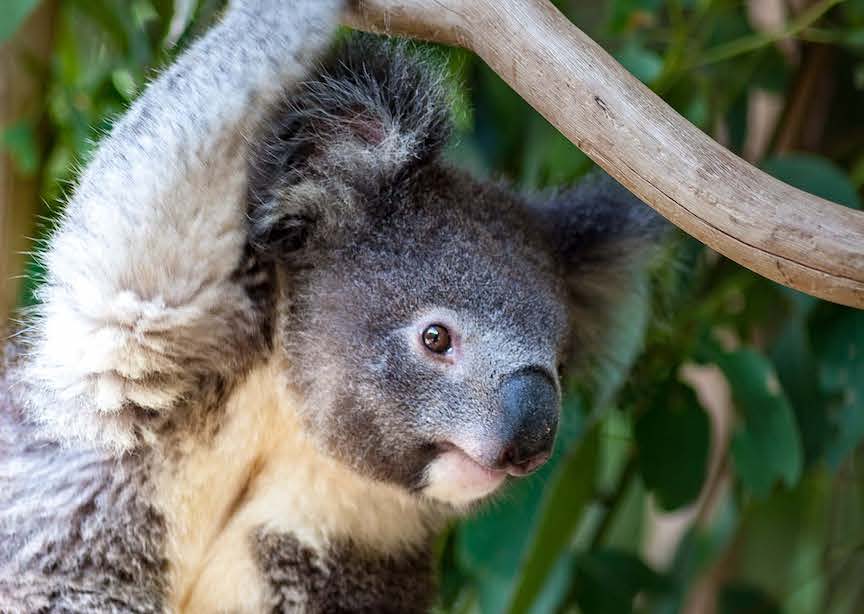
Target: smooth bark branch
[(778, 231)]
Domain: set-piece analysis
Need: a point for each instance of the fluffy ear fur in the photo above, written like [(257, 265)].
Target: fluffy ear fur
[(372, 114), (603, 235)]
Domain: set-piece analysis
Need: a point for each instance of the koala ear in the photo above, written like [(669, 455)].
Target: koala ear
[(602, 235), (357, 129)]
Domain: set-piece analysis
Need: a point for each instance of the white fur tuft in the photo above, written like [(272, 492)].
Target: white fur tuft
[(139, 301)]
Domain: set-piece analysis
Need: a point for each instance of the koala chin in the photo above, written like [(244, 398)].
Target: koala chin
[(282, 339)]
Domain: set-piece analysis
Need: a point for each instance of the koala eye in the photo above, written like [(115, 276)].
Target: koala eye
[(437, 339)]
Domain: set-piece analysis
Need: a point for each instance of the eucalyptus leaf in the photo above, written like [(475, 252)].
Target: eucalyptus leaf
[(798, 369), (608, 581), (673, 438), (766, 446), (816, 175), (838, 339)]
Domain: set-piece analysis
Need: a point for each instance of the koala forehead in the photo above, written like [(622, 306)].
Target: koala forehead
[(446, 243)]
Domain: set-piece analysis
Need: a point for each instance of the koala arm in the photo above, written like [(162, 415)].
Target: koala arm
[(147, 291)]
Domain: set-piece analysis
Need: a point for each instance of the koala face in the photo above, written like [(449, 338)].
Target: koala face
[(426, 343), (424, 314)]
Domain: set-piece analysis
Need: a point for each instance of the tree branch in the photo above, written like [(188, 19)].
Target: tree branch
[(778, 231)]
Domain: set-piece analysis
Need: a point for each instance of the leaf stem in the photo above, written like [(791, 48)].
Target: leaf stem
[(613, 501), (746, 44)]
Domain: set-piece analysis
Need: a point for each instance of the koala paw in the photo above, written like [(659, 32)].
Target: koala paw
[(93, 373)]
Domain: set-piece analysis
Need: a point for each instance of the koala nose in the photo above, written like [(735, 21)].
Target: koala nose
[(530, 404)]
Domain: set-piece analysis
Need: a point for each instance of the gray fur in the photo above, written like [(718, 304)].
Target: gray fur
[(187, 258), (77, 530), (343, 579)]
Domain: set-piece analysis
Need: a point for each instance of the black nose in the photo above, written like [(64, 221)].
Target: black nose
[(529, 400)]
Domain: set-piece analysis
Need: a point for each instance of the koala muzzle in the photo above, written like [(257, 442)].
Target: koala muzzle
[(530, 405)]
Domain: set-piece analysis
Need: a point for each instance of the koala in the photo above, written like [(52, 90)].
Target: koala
[(282, 341)]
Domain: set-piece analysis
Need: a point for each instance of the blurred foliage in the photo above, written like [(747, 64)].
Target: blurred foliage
[(782, 527)]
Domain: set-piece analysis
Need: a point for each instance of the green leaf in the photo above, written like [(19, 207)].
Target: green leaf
[(497, 136), (838, 339), (673, 440), (451, 578), (816, 175), (14, 14), (727, 26), (793, 357), (563, 504), (781, 539), (165, 9), (696, 110), (124, 83), (607, 582), (19, 140), (767, 446), (857, 173), (108, 16), (854, 10)]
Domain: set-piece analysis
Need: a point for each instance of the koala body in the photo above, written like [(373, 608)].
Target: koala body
[(281, 341)]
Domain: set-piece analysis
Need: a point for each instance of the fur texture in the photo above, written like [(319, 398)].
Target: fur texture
[(121, 330), (343, 579), (79, 530), (227, 403)]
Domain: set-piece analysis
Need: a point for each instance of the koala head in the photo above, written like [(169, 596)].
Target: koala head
[(424, 315)]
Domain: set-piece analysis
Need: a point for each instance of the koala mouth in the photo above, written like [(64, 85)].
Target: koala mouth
[(457, 478), (502, 468), (470, 463), (460, 478)]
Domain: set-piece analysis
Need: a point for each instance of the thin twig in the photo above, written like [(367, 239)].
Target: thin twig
[(747, 44)]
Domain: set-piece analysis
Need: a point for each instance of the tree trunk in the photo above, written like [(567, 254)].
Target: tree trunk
[(21, 97)]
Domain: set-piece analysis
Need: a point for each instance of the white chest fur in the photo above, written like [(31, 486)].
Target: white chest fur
[(262, 471)]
